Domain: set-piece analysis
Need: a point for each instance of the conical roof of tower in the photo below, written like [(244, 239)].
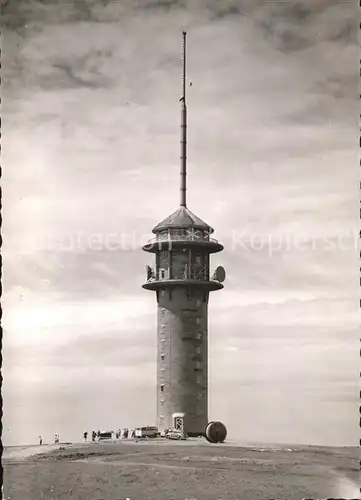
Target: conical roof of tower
[(182, 218)]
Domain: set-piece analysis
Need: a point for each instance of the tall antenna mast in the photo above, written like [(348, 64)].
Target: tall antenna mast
[(183, 172)]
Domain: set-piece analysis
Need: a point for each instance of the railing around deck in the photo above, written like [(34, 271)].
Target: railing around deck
[(189, 273), (180, 237)]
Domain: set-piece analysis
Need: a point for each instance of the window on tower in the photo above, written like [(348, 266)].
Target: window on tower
[(162, 388), (198, 321), (162, 356), (199, 335), (163, 259), (180, 233)]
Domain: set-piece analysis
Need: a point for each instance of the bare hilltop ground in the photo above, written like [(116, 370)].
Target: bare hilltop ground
[(168, 470)]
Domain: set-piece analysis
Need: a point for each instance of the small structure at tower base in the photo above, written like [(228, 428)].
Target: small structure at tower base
[(216, 432)]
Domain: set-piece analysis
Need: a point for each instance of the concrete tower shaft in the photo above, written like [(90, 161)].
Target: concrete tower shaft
[(182, 370)]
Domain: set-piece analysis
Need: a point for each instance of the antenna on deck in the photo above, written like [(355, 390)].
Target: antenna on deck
[(183, 172)]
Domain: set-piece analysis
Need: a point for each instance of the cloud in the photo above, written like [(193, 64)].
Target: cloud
[(79, 273)]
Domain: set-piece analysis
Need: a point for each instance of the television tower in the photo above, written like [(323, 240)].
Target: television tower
[(182, 282)]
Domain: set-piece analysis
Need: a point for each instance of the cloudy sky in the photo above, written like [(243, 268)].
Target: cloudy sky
[(91, 163)]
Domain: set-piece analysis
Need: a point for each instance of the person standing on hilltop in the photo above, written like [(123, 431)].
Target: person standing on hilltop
[(85, 435), (40, 440)]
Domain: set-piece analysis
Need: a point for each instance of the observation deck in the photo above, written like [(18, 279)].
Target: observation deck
[(157, 281)]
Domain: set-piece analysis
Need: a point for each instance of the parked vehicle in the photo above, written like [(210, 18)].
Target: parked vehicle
[(149, 431), (175, 434), (102, 435)]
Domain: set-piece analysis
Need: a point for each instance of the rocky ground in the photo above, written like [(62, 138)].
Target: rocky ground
[(168, 470)]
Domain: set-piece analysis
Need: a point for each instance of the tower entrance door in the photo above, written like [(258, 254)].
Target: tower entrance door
[(178, 422)]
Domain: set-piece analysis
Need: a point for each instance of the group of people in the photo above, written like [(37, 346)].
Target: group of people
[(125, 433), (119, 434), (94, 435), (56, 439)]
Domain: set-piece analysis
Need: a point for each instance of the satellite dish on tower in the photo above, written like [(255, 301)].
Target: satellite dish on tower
[(149, 272), (220, 274)]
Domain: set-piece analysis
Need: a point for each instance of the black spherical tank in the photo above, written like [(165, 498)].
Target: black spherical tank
[(216, 432)]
